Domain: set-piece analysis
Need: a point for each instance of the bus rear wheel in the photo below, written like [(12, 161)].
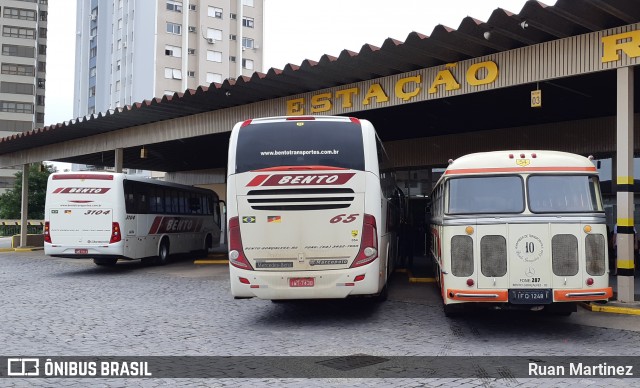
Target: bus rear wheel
[(104, 262), (163, 253)]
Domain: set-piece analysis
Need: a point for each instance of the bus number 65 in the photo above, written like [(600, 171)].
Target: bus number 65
[(339, 218)]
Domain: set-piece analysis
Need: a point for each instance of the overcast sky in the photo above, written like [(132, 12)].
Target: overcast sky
[(295, 30)]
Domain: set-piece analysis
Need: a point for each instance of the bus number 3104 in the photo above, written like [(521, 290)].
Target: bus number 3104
[(96, 212)]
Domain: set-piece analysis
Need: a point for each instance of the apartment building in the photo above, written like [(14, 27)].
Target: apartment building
[(23, 63), (133, 50)]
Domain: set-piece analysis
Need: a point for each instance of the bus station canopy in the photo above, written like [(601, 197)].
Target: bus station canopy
[(572, 98)]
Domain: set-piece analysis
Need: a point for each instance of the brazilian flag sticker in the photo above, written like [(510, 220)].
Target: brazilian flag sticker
[(249, 219)]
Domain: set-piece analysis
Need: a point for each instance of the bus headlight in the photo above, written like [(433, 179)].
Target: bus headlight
[(233, 255)]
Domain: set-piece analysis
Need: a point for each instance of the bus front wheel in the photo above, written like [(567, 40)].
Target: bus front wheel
[(163, 253)]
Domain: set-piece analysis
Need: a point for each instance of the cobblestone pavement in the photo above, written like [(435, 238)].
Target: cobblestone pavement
[(63, 307)]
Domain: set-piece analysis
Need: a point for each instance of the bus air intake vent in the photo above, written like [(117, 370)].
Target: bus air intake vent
[(594, 252), (461, 256), (493, 256), (300, 199), (564, 254)]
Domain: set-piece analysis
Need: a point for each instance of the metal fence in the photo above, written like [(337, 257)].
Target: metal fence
[(12, 227)]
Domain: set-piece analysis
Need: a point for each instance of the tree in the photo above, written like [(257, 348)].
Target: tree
[(11, 200)]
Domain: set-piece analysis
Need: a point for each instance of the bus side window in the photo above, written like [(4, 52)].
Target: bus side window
[(206, 205), (216, 212), (129, 197), (142, 196), (157, 200), (182, 207), (194, 204)]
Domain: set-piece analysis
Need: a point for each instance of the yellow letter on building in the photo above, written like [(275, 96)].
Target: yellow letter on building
[(406, 96), (295, 107), (321, 103), (346, 96), (610, 46), (444, 77), (375, 91), (491, 76)]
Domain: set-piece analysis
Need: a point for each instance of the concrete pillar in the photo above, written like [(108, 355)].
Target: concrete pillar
[(24, 207), (624, 163), (119, 156)]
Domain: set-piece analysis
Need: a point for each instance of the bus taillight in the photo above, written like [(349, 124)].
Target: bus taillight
[(236, 253), (115, 233), (47, 235), (369, 243)]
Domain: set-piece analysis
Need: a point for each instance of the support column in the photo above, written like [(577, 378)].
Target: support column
[(119, 156), (624, 163), (24, 207)]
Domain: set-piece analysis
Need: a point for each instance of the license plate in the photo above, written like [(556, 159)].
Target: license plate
[(542, 296), (301, 282), (82, 251)]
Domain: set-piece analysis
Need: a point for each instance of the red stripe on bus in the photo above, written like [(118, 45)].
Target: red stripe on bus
[(59, 189), (156, 224), (83, 176), (257, 181), (299, 168), (519, 169), (78, 201)]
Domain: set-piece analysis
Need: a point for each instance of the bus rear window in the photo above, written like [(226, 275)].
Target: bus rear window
[(563, 193), (294, 143), (494, 194)]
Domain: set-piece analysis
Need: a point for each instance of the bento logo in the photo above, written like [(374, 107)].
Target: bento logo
[(307, 179), (81, 190), (301, 179)]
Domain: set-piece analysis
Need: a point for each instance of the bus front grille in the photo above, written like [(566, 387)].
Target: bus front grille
[(594, 252), (564, 254), (493, 256), (301, 199), (461, 256)]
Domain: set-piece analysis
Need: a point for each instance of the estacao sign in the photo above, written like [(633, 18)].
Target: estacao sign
[(412, 87), (405, 89)]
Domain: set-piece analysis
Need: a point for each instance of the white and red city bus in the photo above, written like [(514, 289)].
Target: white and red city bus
[(110, 216), (313, 209), (520, 229)]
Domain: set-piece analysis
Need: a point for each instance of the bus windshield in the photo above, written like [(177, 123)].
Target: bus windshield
[(300, 143), (492, 194), (562, 193)]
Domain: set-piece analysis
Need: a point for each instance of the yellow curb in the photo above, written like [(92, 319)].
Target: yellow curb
[(6, 250), (211, 262), (28, 249), (611, 309), (422, 280)]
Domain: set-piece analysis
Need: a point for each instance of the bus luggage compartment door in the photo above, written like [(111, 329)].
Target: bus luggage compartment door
[(80, 227), (319, 239)]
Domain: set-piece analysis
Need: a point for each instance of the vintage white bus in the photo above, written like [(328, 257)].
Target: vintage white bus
[(312, 207), (110, 216), (520, 229)]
